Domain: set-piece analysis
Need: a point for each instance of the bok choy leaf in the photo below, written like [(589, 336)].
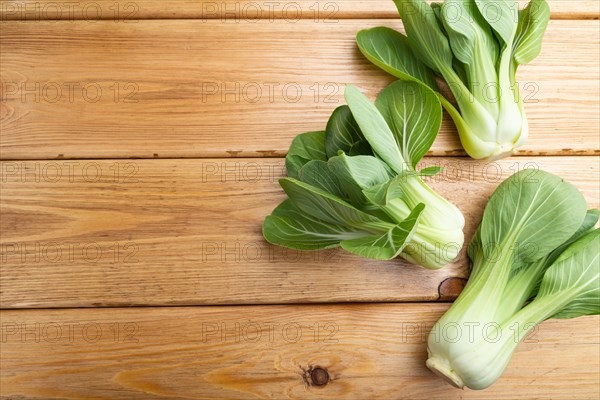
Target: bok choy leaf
[(475, 46), (356, 186), (536, 242)]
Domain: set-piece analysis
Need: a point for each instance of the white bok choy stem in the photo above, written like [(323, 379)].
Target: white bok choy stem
[(535, 241), (475, 46), (356, 185)]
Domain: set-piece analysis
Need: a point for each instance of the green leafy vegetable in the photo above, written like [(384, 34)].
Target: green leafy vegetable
[(535, 242), (384, 47), (343, 134), (476, 46), (414, 125), (356, 185), (530, 32), (305, 148)]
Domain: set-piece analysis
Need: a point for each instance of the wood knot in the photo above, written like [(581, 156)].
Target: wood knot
[(319, 376)]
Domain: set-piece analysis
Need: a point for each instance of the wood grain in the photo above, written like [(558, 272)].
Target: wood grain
[(369, 351), (180, 232), (35, 10), (161, 232), (181, 88)]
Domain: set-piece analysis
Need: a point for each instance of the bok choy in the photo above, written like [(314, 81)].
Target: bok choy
[(536, 243), (476, 46), (356, 184)]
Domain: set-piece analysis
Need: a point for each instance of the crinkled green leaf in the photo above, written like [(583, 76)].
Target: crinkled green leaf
[(289, 227), (474, 47), (362, 172), (343, 134), (533, 21), (312, 219), (414, 114), (374, 128), (378, 194), (437, 10), (590, 220), (502, 15), (305, 147), (575, 275), (390, 51), (470, 36), (531, 213), (388, 245), (425, 37), (346, 176), (526, 278), (384, 192), (462, 32), (362, 148), (430, 171), (325, 206), (319, 174)]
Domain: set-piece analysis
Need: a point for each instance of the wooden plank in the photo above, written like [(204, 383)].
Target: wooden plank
[(367, 351), (175, 232), (169, 88), (236, 10)]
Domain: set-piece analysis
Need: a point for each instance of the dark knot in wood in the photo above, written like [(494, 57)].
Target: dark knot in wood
[(319, 376)]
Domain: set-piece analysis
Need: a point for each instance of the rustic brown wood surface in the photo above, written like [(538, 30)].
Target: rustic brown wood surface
[(155, 232), (237, 9), (168, 88), (85, 225), (275, 352)]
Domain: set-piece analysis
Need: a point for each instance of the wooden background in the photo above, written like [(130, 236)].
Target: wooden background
[(141, 143)]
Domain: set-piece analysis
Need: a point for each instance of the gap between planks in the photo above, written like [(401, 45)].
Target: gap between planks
[(594, 153)]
